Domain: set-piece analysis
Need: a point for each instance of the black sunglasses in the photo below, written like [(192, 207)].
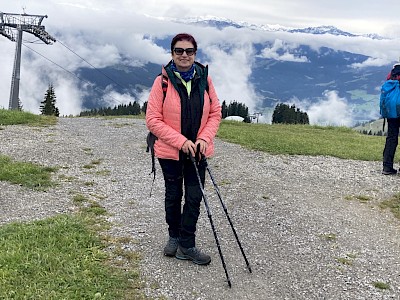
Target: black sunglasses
[(189, 51)]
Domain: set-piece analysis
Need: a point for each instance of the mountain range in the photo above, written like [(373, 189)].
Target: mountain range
[(274, 80)]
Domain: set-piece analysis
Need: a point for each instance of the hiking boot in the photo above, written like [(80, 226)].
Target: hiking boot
[(389, 171), (171, 247), (193, 254)]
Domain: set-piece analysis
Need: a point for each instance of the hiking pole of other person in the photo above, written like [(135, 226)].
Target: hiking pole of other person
[(227, 215), (210, 218)]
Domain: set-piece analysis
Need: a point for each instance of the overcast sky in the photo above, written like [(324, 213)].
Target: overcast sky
[(358, 16), (106, 32)]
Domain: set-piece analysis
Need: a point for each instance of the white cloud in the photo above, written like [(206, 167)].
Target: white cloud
[(331, 110), (68, 97), (370, 62), (112, 98), (278, 46), (230, 72)]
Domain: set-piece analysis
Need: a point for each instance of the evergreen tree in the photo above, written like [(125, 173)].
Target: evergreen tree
[(289, 115), (48, 106), (224, 110), (117, 110), (135, 109), (235, 109), (278, 115), (144, 107)]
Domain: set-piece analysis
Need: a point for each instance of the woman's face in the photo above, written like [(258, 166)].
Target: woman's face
[(185, 60)]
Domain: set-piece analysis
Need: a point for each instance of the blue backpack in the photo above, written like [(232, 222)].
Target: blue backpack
[(390, 99)]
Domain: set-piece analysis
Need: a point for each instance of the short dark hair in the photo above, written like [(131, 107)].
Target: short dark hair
[(183, 37)]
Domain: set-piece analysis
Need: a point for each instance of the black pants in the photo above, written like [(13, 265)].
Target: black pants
[(392, 140), (182, 223)]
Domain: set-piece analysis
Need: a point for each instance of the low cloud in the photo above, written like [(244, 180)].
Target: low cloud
[(371, 62), (282, 51), (331, 110), (230, 71), (112, 98)]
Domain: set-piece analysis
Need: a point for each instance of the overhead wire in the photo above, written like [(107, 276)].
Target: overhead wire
[(96, 88), (73, 74), (90, 64), (54, 63)]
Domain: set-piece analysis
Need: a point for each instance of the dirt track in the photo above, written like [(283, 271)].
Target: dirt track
[(302, 228)]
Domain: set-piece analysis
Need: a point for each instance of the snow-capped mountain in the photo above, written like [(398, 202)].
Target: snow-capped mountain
[(323, 30), (221, 23)]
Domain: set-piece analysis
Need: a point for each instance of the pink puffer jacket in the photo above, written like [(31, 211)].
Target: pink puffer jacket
[(164, 119)]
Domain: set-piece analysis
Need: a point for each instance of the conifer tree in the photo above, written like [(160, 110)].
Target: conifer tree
[(144, 108), (224, 110), (48, 106), (289, 115)]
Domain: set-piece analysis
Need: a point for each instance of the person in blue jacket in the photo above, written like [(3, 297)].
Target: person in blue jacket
[(392, 137)]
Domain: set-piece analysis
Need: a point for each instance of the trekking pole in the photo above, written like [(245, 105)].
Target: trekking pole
[(227, 215), (210, 218)]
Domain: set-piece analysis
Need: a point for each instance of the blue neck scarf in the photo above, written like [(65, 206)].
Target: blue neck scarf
[(187, 76)]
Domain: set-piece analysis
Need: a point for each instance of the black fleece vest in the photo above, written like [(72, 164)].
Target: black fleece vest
[(191, 105)]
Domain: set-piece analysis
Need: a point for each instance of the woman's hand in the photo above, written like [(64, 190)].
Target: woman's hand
[(189, 147), (201, 145)]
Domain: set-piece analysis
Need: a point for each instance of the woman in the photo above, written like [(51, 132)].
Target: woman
[(185, 120)]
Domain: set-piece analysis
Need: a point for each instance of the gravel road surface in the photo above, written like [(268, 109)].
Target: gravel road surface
[(311, 227)]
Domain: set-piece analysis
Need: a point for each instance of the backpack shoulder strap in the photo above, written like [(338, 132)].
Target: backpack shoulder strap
[(151, 138), (164, 85)]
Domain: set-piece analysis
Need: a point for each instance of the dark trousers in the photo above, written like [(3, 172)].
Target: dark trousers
[(182, 223), (392, 140)]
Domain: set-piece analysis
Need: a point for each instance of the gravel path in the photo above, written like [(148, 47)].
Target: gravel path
[(298, 218)]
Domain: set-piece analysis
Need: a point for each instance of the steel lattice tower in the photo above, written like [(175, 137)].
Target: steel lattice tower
[(9, 23)]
